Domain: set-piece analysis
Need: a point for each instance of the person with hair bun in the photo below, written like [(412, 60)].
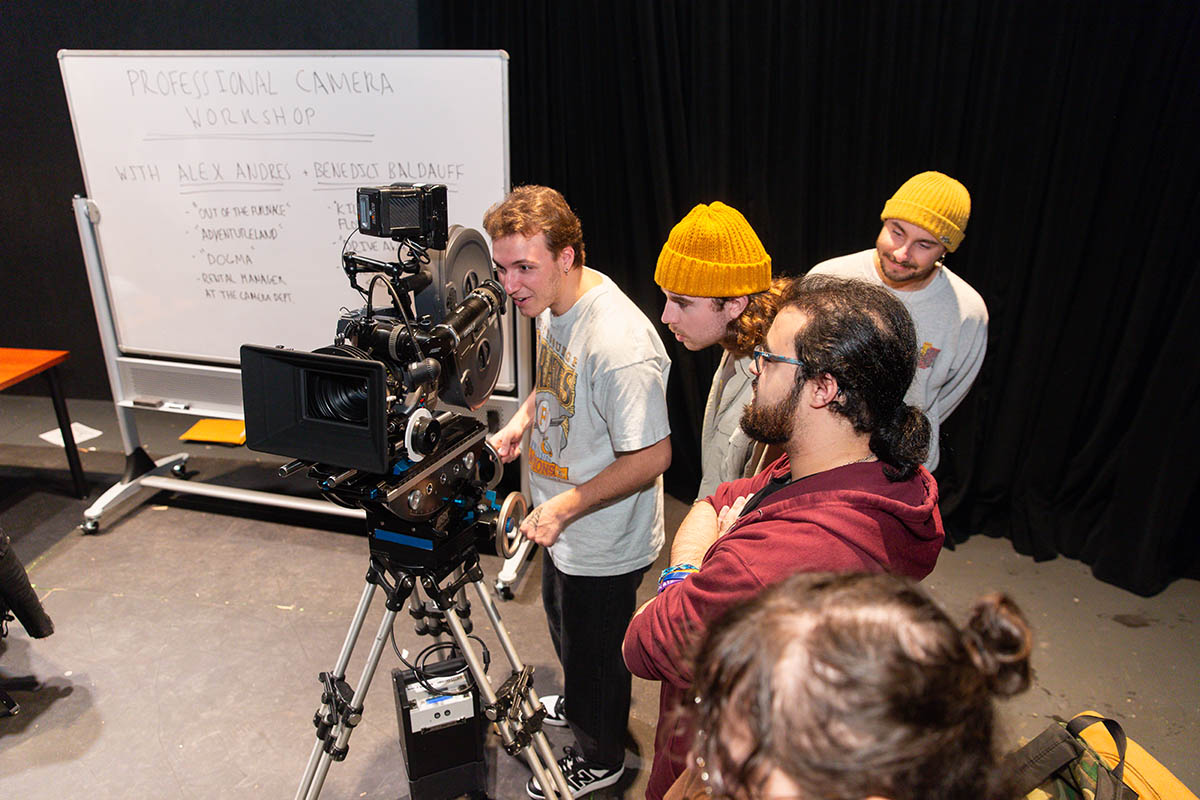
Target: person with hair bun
[(848, 495), (852, 686)]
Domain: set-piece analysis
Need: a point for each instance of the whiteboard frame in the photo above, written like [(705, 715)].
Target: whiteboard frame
[(201, 388), (508, 383)]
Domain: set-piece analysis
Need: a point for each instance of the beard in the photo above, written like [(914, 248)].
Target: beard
[(918, 272), (771, 424)]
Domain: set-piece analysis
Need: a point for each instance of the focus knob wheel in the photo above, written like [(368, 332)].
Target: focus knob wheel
[(508, 524)]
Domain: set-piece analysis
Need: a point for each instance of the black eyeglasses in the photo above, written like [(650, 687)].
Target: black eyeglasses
[(761, 355)]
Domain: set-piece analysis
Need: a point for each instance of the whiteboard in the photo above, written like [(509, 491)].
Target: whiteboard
[(225, 181)]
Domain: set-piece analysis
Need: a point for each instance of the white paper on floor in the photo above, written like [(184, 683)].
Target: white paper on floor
[(80, 431)]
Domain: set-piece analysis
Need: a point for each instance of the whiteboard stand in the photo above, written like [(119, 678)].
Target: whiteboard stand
[(142, 473), (176, 146)]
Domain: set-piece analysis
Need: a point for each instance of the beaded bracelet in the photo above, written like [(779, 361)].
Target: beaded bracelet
[(665, 582), (675, 574)]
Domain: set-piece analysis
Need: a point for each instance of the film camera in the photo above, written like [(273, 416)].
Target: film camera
[(361, 415)]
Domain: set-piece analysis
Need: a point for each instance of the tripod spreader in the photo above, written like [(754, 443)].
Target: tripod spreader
[(336, 698), (508, 706), (431, 620)]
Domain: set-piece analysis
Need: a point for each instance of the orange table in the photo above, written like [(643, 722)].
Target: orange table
[(17, 365)]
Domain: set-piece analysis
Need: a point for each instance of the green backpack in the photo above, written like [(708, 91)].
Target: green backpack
[(1060, 765)]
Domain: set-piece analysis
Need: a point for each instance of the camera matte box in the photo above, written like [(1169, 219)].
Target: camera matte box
[(275, 384)]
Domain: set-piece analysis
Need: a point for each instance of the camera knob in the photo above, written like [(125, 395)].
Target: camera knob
[(421, 434), (425, 434)]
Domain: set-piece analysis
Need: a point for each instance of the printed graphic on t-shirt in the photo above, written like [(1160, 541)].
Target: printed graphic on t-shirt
[(554, 405), (927, 356)]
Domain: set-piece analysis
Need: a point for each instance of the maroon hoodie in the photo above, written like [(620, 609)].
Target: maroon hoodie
[(848, 519)]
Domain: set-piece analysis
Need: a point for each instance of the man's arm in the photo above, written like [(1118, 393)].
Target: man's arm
[(762, 550), (628, 473), (507, 440), (660, 637), (699, 530), (952, 392), (710, 518), (695, 534)]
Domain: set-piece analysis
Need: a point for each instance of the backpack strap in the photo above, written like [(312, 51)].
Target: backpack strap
[(1029, 766), (1076, 726)]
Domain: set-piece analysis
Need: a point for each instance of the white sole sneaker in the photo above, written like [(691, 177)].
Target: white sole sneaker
[(555, 714), (582, 778)]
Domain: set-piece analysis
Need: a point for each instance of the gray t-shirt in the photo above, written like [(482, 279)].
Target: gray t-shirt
[(951, 321), (600, 390)]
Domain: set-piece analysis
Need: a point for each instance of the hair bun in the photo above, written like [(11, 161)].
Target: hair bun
[(1000, 643), (904, 443)]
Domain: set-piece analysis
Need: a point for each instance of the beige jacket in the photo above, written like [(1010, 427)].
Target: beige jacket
[(724, 448)]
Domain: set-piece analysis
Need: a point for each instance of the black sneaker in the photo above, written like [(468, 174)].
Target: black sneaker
[(555, 705), (582, 775)]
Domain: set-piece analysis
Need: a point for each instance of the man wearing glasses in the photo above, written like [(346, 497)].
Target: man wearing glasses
[(849, 495), (923, 221)]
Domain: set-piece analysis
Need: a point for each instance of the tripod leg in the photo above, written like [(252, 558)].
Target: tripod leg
[(542, 762), (346, 726), (531, 702), (489, 697), (339, 673)]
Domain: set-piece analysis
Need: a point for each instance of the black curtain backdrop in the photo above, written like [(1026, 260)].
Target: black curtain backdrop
[(1073, 124)]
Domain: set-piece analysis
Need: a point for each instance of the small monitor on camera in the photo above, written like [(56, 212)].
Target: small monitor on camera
[(405, 211)]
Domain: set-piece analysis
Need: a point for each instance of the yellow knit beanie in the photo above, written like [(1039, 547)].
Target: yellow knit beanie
[(713, 252), (935, 202)]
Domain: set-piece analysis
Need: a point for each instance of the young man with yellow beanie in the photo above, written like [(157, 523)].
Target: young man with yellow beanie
[(716, 277), (923, 221)]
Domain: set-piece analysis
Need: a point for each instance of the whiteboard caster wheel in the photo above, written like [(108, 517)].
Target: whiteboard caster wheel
[(179, 470), (505, 591), (89, 526)]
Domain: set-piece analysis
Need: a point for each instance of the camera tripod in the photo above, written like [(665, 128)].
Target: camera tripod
[(514, 709)]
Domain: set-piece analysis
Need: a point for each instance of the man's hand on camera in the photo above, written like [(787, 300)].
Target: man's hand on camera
[(507, 442), (544, 524)]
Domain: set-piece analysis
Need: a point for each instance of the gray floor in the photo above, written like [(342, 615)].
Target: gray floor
[(190, 634)]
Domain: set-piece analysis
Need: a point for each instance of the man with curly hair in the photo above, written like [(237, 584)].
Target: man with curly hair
[(849, 493), (716, 277)]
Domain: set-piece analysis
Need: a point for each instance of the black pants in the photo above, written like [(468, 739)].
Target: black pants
[(588, 617)]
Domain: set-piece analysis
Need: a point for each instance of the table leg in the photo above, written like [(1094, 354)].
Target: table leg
[(64, 424)]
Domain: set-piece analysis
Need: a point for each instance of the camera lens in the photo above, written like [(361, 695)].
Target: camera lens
[(340, 398)]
